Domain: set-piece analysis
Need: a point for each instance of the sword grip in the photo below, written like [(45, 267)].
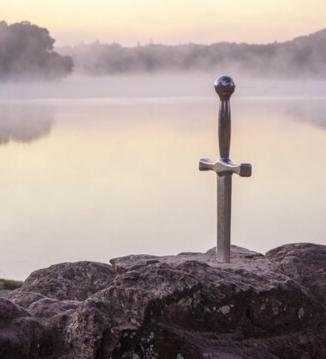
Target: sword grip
[(224, 129), (224, 87)]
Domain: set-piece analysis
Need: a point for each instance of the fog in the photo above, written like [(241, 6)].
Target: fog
[(27, 52), (193, 85), (303, 57)]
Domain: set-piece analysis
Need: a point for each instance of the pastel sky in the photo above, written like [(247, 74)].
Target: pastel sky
[(169, 21)]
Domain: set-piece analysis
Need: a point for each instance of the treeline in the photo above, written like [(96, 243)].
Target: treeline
[(26, 51), (301, 56)]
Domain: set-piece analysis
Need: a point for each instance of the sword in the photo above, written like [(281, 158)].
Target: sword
[(224, 168)]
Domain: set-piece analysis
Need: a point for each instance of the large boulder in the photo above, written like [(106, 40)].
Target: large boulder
[(180, 307), (24, 337), (68, 281), (183, 306), (305, 263)]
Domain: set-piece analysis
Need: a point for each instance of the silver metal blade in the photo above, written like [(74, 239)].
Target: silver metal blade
[(224, 197)]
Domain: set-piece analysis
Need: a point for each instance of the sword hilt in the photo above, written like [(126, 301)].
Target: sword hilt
[(224, 87)]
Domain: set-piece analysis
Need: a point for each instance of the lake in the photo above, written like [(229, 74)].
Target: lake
[(91, 178)]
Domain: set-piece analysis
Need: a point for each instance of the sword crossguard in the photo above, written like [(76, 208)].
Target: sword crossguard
[(225, 167)]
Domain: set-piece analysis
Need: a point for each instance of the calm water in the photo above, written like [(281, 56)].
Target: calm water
[(93, 179)]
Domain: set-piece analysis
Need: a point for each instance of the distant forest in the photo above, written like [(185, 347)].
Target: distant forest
[(26, 51), (303, 56)]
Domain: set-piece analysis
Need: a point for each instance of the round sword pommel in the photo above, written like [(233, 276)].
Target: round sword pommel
[(224, 87)]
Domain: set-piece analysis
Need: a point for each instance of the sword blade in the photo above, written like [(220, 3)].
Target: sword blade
[(224, 197)]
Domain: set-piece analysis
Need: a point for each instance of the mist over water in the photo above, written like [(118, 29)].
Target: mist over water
[(166, 85), (93, 168)]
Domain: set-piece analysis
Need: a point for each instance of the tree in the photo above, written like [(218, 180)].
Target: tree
[(26, 52)]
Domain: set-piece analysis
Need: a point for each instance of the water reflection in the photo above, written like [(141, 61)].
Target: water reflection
[(121, 178), (24, 123), (310, 111)]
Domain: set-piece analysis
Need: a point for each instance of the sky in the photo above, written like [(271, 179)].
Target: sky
[(169, 21)]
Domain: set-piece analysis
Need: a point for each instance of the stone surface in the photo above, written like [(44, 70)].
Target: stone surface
[(72, 281), (184, 306), (24, 337), (305, 263)]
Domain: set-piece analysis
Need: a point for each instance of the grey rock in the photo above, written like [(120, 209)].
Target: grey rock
[(130, 297), (49, 307), (40, 306), (24, 298), (22, 336), (9, 311), (191, 306), (72, 281), (241, 257), (184, 306), (305, 263)]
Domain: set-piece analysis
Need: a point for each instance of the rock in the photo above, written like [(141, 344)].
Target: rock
[(162, 307), (184, 306), (114, 310), (48, 307), (305, 263), (24, 299), (72, 281), (41, 306), (54, 313), (10, 311), (22, 336), (242, 256)]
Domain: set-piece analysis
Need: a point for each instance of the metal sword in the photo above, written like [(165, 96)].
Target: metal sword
[(224, 168)]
